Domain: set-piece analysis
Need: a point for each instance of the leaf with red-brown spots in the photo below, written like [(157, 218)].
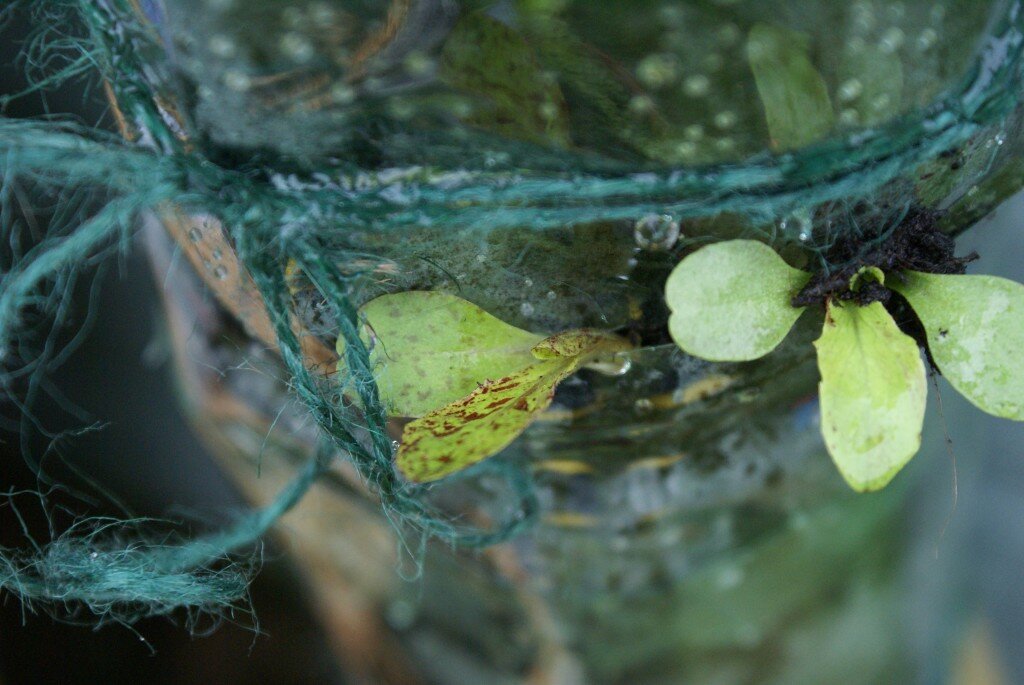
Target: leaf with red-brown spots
[(484, 422), (431, 348)]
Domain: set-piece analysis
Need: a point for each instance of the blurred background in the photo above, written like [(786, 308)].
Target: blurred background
[(969, 549)]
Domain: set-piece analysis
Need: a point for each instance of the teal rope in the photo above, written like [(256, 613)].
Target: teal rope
[(831, 170), (119, 572), (123, 576)]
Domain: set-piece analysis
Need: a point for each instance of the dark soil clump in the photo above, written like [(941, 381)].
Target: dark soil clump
[(916, 244)]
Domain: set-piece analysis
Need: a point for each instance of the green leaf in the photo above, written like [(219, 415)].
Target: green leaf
[(975, 328), (492, 416), (873, 394), (431, 348), (730, 301), (872, 84), (487, 58), (793, 93)]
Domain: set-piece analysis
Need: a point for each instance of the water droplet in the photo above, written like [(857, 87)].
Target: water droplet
[(659, 70), (528, 282), (418, 64), (551, 295), (342, 94), (217, 254), (881, 103), (641, 104), (927, 40), (526, 309), (461, 108), (220, 273), (798, 223), (625, 364), (195, 234), (615, 365), (297, 47), (849, 117), (891, 41), (697, 85), (686, 150), (481, 258), (850, 89), (864, 18), (237, 80), (643, 406), (725, 144), (548, 111), (726, 119), (222, 46), (694, 132), (656, 232)]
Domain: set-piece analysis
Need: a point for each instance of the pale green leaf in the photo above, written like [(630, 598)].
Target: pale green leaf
[(793, 93), (730, 301), (873, 393), (431, 348), (475, 427), (975, 328)]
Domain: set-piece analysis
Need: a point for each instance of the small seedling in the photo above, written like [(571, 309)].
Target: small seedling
[(737, 300)]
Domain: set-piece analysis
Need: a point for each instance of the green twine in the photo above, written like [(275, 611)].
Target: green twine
[(109, 567), (117, 571), (112, 568), (401, 502)]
